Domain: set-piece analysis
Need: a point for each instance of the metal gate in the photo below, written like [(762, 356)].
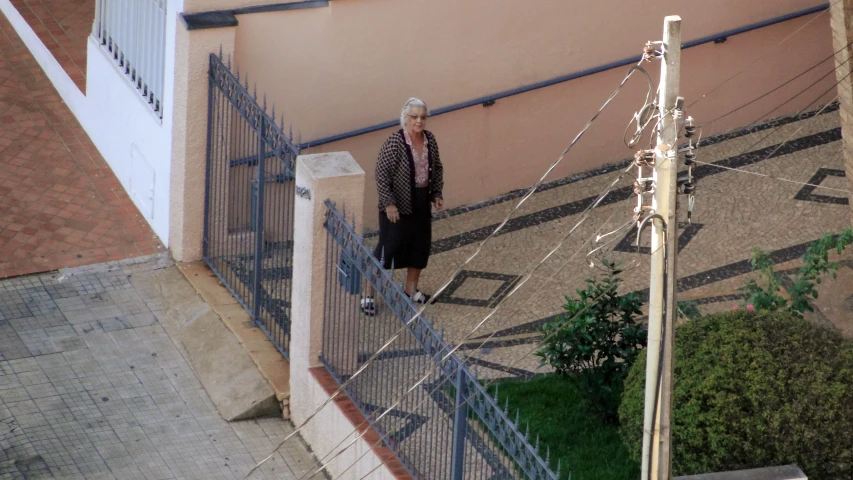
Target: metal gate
[(449, 427), (249, 194)]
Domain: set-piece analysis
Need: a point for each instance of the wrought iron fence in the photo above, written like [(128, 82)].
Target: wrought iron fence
[(249, 195), (134, 34), (448, 428)]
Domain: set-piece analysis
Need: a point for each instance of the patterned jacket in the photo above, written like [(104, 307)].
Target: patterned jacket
[(395, 172)]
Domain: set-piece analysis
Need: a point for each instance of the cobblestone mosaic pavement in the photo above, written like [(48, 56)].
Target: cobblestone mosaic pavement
[(735, 211), (62, 205), (93, 387)]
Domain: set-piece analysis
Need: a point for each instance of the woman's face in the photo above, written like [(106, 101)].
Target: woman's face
[(416, 119)]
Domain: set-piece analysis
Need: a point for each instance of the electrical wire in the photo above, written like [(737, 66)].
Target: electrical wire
[(789, 81), (776, 129), (778, 147), (761, 117), (480, 247), (598, 237), (642, 117), (627, 224), (526, 278), (554, 249), (532, 190), (512, 364), (763, 54), (768, 156), (429, 370), (806, 184), (645, 123), (664, 326), (446, 378), (809, 87)]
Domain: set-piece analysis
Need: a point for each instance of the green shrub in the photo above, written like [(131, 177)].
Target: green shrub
[(688, 310), (763, 293), (754, 390), (596, 341)]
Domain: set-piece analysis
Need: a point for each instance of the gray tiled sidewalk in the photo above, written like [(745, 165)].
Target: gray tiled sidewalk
[(93, 387)]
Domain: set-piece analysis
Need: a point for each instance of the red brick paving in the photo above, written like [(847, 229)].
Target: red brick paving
[(60, 204), (64, 27)]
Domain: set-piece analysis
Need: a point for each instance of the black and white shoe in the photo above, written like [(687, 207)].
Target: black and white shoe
[(368, 306), (420, 297)]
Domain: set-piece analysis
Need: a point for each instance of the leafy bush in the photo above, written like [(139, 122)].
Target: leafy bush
[(596, 341), (754, 390), (688, 310), (763, 292)]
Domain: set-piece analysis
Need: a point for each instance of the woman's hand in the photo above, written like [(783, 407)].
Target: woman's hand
[(392, 213), (438, 203)]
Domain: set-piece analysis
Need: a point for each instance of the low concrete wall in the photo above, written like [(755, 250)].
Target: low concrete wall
[(331, 430)]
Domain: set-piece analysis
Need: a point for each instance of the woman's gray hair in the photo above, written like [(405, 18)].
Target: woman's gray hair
[(412, 102)]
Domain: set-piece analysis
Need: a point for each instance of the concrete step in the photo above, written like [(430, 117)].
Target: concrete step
[(226, 337)]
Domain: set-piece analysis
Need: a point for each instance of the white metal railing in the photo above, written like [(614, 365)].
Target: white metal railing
[(133, 32)]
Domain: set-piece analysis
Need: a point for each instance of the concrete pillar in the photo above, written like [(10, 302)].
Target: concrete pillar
[(327, 176), (336, 177), (189, 135), (841, 21)]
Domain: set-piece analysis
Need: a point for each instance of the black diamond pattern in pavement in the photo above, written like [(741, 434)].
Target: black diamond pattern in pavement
[(624, 193), (687, 232), (734, 269), (577, 177), (807, 192), (507, 282), (411, 421), (515, 372)]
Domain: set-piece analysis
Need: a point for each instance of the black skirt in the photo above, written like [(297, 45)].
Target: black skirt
[(407, 242)]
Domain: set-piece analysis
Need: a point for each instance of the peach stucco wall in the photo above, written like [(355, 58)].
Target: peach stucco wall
[(354, 63)]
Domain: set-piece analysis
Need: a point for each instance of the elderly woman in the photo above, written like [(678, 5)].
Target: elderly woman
[(409, 179)]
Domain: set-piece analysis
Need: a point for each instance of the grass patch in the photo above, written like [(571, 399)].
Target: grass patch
[(587, 448)]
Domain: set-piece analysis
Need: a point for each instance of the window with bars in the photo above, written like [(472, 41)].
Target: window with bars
[(133, 32)]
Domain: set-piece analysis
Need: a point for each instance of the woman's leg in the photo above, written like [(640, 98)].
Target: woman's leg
[(413, 275)]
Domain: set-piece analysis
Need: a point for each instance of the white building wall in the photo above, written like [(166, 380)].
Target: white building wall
[(129, 135)]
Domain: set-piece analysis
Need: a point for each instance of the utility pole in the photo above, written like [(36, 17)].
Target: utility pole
[(657, 434)]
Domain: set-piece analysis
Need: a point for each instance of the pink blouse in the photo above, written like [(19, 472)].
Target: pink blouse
[(421, 161)]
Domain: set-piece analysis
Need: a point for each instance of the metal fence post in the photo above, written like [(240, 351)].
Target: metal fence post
[(460, 426), (259, 224), (205, 239)]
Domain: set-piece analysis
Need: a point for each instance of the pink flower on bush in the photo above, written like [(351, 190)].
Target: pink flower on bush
[(750, 308), (734, 308)]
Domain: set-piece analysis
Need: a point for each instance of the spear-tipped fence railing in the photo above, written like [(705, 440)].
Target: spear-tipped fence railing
[(249, 196), (434, 431), (133, 33)]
